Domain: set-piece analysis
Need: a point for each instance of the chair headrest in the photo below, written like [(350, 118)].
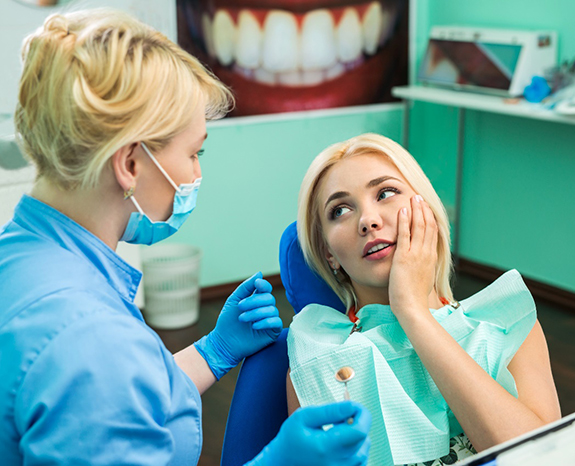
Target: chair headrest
[(303, 286)]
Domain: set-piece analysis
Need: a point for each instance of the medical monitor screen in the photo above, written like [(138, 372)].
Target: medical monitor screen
[(477, 64)]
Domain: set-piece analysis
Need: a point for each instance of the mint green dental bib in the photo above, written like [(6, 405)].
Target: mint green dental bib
[(411, 422)]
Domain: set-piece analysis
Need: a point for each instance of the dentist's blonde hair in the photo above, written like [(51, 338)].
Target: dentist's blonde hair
[(310, 234), (96, 80)]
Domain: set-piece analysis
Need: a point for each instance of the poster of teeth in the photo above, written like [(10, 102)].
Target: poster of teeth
[(292, 55)]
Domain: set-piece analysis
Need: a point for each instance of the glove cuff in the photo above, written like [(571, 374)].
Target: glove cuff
[(217, 358)]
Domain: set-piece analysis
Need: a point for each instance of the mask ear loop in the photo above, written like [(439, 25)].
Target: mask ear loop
[(160, 168), (133, 199), (129, 194)]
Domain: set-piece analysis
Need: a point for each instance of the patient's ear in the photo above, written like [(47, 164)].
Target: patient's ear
[(331, 260)]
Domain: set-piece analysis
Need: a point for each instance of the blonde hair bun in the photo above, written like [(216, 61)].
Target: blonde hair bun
[(96, 80)]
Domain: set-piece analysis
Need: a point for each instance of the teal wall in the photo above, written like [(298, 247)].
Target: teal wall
[(252, 170), (518, 207)]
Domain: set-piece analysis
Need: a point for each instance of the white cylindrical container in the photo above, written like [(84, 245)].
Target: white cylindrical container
[(171, 285)]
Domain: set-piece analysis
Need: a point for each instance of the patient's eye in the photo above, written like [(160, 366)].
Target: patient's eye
[(386, 193), (338, 211)]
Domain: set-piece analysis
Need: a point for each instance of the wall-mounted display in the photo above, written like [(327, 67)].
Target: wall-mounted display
[(293, 55)]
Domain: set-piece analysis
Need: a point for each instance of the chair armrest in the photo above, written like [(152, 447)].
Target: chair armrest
[(259, 404)]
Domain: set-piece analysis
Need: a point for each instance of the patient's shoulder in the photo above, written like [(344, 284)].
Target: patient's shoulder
[(318, 316), (316, 328), (504, 302)]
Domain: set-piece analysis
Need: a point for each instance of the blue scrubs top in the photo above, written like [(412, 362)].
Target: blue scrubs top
[(83, 379)]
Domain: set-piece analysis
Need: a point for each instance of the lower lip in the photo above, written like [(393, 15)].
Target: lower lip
[(363, 85), (380, 254)]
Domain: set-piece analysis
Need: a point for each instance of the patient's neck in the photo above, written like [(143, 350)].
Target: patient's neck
[(367, 296)]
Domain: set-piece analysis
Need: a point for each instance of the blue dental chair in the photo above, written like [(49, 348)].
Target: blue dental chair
[(259, 405)]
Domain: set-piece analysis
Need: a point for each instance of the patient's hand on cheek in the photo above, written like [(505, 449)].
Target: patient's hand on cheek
[(412, 273)]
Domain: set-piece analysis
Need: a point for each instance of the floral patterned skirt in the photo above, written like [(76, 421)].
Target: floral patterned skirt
[(459, 447)]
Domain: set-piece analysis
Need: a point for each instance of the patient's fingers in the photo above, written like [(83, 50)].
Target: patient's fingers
[(430, 240), (403, 235), (417, 222)]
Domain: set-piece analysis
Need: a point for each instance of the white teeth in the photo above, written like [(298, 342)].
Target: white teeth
[(264, 76), (290, 78), (372, 26), (281, 42), (335, 71), (377, 247), (318, 49), (280, 52), (249, 45), (224, 37), (208, 35), (348, 36), (312, 77)]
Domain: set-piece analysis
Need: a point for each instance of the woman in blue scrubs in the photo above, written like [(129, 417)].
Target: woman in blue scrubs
[(113, 115)]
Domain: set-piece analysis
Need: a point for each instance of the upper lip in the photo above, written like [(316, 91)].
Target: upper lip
[(373, 243), (290, 5)]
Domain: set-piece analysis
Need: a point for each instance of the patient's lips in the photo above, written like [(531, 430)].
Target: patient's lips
[(274, 51), (377, 249)]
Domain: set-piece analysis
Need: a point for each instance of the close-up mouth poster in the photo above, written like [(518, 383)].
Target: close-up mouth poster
[(293, 55)]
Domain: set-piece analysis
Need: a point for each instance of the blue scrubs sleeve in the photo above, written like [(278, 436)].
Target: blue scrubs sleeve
[(104, 402)]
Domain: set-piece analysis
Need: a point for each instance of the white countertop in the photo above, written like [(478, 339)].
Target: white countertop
[(482, 102)]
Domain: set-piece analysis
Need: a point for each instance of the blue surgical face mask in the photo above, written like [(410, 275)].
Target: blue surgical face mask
[(142, 230)]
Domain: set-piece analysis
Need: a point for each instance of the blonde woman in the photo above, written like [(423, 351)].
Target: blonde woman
[(113, 116), (442, 379)]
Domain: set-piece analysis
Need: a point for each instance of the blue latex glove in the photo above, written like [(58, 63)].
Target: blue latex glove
[(248, 322), (302, 440)]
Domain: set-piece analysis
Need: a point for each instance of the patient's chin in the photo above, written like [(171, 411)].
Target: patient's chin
[(375, 287)]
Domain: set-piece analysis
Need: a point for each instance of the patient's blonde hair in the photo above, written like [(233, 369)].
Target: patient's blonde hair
[(309, 229), (97, 80)]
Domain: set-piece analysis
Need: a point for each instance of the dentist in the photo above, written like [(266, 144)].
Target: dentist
[(113, 115)]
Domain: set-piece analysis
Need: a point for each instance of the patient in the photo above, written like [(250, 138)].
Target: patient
[(441, 379)]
